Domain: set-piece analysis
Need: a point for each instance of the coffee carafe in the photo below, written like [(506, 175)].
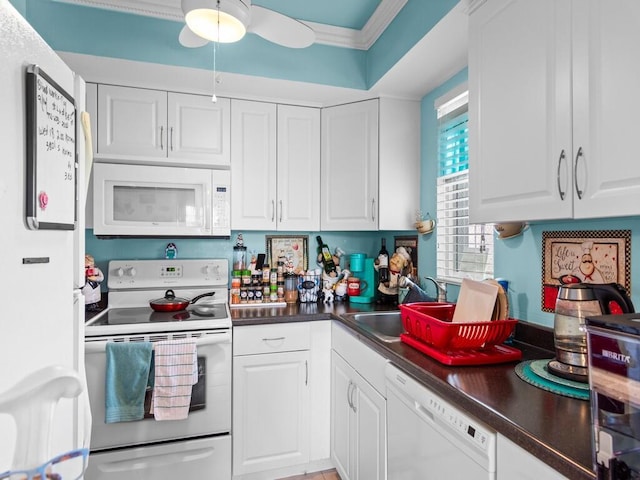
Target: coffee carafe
[(574, 303)]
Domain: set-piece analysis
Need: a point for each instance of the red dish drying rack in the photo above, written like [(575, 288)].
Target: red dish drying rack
[(430, 330)]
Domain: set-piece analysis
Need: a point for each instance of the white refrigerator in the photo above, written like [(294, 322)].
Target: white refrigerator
[(41, 270)]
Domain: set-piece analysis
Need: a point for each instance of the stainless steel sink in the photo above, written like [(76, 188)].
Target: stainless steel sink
[(387, 326)]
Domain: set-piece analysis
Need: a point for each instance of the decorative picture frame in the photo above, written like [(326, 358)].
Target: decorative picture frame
[(294, 250), (598, 256)]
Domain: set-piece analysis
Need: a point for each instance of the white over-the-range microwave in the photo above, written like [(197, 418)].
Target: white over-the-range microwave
[(159, 201)]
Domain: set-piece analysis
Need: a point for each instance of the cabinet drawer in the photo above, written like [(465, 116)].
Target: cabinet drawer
[(278, 337), (366, 362)]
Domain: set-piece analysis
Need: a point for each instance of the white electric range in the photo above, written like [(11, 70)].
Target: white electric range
[(164, 449)]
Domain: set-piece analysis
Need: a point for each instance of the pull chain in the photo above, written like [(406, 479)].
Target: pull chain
[(214, 98)]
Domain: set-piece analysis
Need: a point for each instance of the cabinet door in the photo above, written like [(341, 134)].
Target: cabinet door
[(199, 130), (253, 165), (298, 172), (606, 105), (132, 122), (399, 165), (514, 462), (370, 434), (341, 416), (349, 167), (520, 150), (271, 411)]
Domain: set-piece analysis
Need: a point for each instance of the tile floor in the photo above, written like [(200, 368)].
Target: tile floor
[(324, 475)]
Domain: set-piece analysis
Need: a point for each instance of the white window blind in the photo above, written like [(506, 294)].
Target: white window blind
[(464, 250)]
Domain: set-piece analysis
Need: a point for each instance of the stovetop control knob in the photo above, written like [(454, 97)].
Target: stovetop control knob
[(131, 271), (119, 272)]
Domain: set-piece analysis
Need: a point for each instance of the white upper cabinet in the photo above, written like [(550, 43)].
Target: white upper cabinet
[(399, 164), (298, 168), (137, 125), (275, 166), (552, 106), (199, 129), (349, 167), (370, 165)]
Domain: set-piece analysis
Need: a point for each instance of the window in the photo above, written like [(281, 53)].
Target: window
[(464, 250)]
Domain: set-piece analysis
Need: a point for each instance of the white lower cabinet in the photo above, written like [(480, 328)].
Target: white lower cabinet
[(358, 413), (515, 462), (280, 398)]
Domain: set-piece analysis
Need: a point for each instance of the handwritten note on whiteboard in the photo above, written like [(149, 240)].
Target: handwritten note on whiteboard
[(51, 153)]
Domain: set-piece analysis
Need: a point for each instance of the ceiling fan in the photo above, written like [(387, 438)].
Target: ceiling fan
[(227, 21)]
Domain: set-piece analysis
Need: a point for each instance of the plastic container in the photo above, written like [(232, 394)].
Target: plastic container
[(430, 330)]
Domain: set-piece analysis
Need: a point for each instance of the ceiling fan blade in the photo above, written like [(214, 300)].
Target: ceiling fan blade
[(189, 39), (280, 29)]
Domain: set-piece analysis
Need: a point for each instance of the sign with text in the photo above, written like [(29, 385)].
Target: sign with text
[(51, 153), (600, 256)]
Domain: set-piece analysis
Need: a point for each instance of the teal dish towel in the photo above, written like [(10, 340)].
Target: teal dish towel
[(128, 366)]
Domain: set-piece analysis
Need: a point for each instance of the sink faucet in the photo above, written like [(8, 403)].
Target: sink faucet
[(441, 287)]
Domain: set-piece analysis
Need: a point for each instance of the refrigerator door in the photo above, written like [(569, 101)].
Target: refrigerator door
[(39, 328)]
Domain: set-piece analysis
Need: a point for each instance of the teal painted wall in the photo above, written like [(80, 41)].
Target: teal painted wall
[(104, 250), (92, 31), (518, 259)]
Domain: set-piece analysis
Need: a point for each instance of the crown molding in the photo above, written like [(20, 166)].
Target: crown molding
[(325, 34)]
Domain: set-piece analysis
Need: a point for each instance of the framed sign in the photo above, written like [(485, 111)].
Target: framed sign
[(292, 250), (51, 153), (602, 256)]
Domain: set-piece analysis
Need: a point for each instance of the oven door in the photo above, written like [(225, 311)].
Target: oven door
[(135, 200), (211, 396)]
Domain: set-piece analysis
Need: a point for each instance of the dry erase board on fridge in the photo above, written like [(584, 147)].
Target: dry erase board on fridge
[(51, 153)]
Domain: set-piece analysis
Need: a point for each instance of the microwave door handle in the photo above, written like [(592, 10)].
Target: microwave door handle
[(100, 346)]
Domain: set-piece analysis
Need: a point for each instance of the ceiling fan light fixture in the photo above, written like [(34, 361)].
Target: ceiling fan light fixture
[(202, 18)]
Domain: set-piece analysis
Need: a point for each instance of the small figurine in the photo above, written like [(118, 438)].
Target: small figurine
[(91, 290), (399, 264), (327, 292)]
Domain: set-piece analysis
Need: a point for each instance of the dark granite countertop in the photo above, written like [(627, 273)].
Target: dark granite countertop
[(553, 428)]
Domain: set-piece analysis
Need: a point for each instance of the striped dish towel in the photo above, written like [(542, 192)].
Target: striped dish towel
[(176, 371)]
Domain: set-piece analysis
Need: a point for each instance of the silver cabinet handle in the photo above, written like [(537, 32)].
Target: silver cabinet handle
[(353, 390), (171, 139), (349, 394), (306, 373), (273, 210), (162, 137), (579, 155), (562, 157), (280, 212), (274, 339), (373, 209)]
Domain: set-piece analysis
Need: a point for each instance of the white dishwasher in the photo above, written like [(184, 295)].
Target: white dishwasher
[(430, 439)]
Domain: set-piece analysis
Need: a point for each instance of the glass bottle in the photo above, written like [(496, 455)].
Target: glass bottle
[(327, 258), (383, 263)]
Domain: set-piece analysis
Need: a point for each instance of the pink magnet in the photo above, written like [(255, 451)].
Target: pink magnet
[(44, 200)]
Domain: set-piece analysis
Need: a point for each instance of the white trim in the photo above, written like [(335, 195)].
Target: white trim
[(450, 95), (116, 71), (325, 34)]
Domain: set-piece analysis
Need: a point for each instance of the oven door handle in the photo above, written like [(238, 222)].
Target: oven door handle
[(100, 346)]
